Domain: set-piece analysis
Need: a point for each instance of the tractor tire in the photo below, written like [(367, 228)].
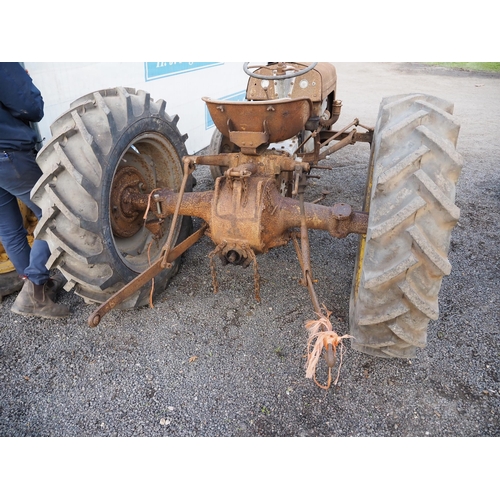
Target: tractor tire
[(410, 197), (215, 148), (109, 143)]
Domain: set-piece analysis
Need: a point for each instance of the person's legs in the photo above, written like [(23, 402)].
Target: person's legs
[(19, 172), (12, 232), (36, 270)]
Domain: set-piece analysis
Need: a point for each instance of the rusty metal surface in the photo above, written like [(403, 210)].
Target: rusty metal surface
[(247, 209), (330, 117), (125, 218), (252, 124), (316, 84)]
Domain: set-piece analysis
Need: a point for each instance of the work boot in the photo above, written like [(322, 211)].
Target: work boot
[(54, 284), (34, 300)]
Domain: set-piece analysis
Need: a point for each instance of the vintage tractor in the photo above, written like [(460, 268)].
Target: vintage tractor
[(117, 196)]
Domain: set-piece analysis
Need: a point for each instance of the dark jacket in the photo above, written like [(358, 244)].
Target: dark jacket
[(20, 104)]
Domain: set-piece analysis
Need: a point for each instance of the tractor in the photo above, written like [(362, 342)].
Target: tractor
[(118, 200)]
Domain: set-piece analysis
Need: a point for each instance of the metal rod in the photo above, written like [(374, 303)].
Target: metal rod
[(140, 280), (307, 280), (306, 250), (188, 168), (354, 123), (341, 144)]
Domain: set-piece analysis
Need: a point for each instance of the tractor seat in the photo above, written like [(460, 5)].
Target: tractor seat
[(256, 124)]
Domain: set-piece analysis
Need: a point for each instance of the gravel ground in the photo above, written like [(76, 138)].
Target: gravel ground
[(200, 364)]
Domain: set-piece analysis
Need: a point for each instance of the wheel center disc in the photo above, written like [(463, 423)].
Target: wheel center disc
[(126, 219)]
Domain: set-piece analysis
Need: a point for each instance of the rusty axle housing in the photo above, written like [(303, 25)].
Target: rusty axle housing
[(247, 209)]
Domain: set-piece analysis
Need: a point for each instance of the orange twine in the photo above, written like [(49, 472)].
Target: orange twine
[(322, 335)]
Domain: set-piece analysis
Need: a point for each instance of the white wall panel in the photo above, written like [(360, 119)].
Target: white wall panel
[(181, 84)]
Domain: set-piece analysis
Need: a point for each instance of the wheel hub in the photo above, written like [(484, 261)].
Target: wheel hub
[(128, 186)]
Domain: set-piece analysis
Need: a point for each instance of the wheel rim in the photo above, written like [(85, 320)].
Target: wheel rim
[(149, 162)]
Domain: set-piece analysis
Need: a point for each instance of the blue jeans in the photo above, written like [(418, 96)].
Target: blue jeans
[(19, 172)]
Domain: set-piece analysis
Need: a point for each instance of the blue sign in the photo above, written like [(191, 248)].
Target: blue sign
[(238, 96), (156, 70)]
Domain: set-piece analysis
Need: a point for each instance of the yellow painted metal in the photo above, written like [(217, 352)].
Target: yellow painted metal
[(362, 240)]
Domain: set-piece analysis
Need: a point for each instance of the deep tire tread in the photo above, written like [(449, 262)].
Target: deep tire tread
[(412, 213), (70, 191)]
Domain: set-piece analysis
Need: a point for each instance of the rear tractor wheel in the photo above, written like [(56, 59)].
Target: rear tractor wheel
[(401, 261), (111, 146)]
